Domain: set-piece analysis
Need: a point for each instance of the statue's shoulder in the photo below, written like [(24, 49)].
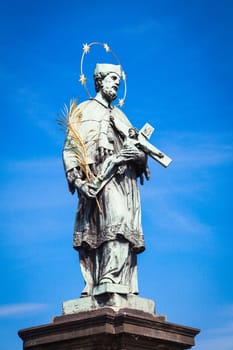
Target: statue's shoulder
[(87, 107), (83, 105), (119, 114)]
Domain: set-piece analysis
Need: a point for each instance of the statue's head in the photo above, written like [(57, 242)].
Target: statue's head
[(107, 80)]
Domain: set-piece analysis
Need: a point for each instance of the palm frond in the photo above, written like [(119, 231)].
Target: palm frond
[(69, 120), (73, 120)]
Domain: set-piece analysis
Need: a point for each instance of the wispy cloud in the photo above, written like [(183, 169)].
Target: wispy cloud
[(178, 229), (35, 165), (33, 108), (227, 311), (198, 149), (217, 338), (20, 309), (180, 226), (203, 155), (39, 183), (185, 223)]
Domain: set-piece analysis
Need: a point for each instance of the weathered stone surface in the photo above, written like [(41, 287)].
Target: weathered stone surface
[(106, 329), (104, 155), (110, 288), (108, 299)]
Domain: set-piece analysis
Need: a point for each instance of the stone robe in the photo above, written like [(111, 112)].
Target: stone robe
[(107, 240)]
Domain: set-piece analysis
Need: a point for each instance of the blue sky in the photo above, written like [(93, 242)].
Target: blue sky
[(178, 57)]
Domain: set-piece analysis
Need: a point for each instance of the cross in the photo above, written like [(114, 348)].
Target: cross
[(140, 140)]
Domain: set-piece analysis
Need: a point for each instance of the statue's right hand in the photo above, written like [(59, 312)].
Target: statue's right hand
[(88, 189)]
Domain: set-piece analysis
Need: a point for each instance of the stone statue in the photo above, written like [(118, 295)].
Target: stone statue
[(103, 156), (108, 233)]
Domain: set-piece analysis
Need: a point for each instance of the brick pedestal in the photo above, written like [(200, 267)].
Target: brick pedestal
[(107, 329)]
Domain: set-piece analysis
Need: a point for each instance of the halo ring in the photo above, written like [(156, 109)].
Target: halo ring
[(86, 50)]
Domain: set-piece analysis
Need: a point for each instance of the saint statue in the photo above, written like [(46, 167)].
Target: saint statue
[(107, 233)]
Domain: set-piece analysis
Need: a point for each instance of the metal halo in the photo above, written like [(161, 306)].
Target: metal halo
[(86, 49)]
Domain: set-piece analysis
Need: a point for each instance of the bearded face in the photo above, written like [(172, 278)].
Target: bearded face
[(110, 85)]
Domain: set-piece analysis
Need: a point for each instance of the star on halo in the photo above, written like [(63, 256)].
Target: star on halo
[(107, 48), (121, 102), (123, 75), (83, 79), (86, 48)]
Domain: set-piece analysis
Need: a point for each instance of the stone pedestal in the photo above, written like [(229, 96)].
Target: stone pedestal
[(106, 298), (109, 329)]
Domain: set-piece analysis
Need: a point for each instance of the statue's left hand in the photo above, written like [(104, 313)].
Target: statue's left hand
[(145, 173), (129, 152)]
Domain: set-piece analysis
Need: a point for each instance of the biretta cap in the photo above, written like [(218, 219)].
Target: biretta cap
[(107, 68)]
